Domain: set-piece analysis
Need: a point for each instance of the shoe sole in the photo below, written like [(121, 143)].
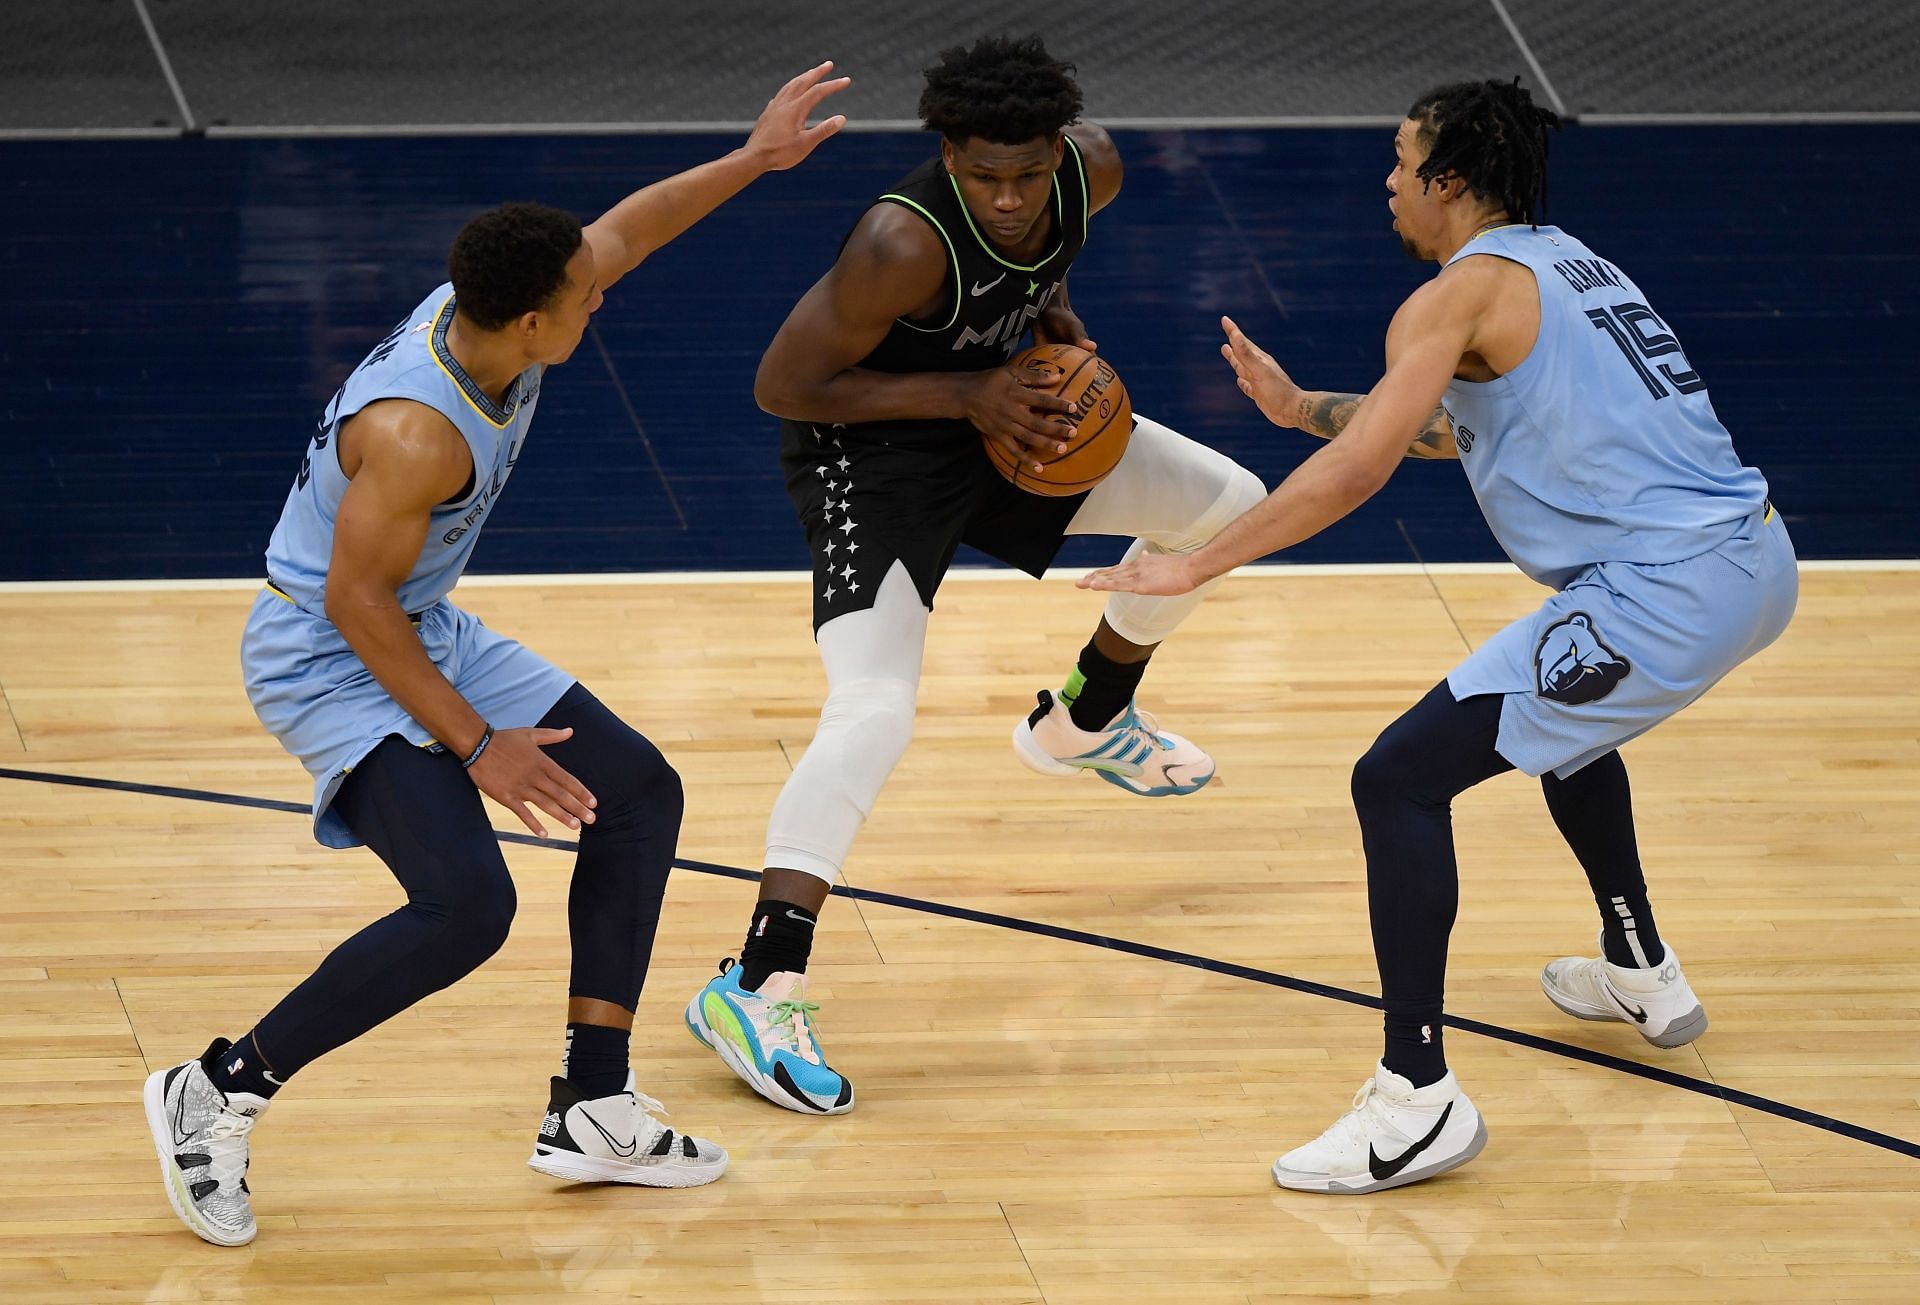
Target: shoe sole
[(1036, 758), (1328, 1186), (575, 1168), (731, 1058), (1677, 1034), (155, 1099)]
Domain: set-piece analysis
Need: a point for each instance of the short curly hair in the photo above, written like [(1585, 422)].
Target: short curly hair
[(1001, 90), (511, 260)]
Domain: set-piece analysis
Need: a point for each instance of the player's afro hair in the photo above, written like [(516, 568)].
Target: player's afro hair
[(1000, 89), (511, 260)]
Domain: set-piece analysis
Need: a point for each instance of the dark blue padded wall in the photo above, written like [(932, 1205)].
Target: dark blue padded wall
[(176, 313)]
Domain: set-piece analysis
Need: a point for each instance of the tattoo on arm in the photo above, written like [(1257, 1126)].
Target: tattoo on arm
[(1326, 415), (1436, 441)]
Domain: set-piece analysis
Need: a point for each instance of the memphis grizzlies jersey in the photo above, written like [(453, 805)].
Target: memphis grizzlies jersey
[(413, 362), (1601, 446)]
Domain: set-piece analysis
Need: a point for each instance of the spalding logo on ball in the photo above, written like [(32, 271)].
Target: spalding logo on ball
[(1096, 445)]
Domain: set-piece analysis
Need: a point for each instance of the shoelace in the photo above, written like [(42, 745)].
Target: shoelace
[(792, 1017), (1144, 723), (1352, 1126), (648, 1108), (226, 1139)]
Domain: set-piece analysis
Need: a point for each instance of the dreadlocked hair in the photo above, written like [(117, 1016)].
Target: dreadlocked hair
[(1493, 137), (1001, 90)]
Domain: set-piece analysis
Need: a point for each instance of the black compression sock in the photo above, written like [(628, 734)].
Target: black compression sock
[(779, 940), (1100, 688), (241, 1068), (1414, 1049), (596, 1059)]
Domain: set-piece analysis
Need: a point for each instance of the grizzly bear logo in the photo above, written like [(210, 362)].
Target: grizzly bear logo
[(1573, 666)]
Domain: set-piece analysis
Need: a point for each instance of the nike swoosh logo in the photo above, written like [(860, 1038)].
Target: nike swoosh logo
[(795, 915), (979, 289), (624, 1152), (1639, 1016), (180, 1135), (1385, 1169)]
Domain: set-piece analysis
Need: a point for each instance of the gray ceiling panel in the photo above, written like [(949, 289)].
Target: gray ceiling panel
[(79, 63), (1728, 56)]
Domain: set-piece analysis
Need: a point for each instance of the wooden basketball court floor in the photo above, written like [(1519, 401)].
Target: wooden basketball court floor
[(1072, 1015)]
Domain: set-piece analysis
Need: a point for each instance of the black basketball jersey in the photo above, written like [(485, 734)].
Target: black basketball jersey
[(990, 300)]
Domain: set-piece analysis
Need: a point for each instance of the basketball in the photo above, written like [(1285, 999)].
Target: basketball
[(1096, 446)]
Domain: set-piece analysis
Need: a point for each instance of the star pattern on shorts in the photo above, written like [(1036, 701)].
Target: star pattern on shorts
[(839, 519)]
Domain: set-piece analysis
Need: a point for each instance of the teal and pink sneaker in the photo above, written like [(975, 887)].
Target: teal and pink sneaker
[(1132, 753), (766, 1037)]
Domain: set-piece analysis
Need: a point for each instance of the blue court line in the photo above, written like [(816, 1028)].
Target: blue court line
[(1232, 969)]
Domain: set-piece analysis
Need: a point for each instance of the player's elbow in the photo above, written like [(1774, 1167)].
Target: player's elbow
[(1357, 479), (778, 392)]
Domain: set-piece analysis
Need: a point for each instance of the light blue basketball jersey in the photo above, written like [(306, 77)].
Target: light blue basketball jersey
[(308, 686), (413, 362), (1601, 446)]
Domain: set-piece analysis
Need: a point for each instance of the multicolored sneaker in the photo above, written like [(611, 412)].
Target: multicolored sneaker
[(616, 1139), (1133, 752), (200, 1133), (1395, 1134), (766, 1037), (1657, 1001)]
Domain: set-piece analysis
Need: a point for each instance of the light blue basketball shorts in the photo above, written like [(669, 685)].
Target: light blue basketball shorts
[(314, 694), (1625, 646)]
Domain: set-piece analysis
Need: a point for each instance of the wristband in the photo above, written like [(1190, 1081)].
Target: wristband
[(486, 737)]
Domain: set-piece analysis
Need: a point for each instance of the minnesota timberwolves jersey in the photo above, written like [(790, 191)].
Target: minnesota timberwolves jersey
[(1601, 446), (989, 300), (412, 362)]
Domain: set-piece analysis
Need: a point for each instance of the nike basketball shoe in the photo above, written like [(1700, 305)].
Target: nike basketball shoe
[(1395, 1134), (200, 1134), (767, 1038), (1133, 752), (1657, 1001), (616, 1139)]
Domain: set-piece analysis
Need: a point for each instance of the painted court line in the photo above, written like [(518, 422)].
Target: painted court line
[(1148, 951)]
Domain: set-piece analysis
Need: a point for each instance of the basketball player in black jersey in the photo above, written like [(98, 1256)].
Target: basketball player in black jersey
[(886, 374)]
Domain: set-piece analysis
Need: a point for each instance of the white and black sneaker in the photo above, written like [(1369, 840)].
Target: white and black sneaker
[(616, 1139), (1395, 1134), (1657, 1001), (200, 1134)]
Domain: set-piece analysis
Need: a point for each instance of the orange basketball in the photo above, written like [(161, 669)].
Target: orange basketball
[(1096, 445)]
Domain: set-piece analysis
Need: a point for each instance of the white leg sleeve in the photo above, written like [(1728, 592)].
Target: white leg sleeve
[(1173, 495), (873, 675)]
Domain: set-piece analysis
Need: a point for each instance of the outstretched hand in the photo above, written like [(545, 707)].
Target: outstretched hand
[(1148, 573), (1261, 378), (781, 136)]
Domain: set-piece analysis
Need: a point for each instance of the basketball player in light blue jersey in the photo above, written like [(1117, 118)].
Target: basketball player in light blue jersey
[(406, 709), (1602, 470)]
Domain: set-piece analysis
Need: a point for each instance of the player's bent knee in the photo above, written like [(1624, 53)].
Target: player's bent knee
[(648, 792), (1241, 493), (874, 718), (1244, 492), (477, 924), (1385, 774)]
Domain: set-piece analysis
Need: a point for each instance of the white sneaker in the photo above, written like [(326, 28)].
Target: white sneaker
[(1395, 1134), (616, 1139), (1657, 1001), (1133, 752), (201, 1133)]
